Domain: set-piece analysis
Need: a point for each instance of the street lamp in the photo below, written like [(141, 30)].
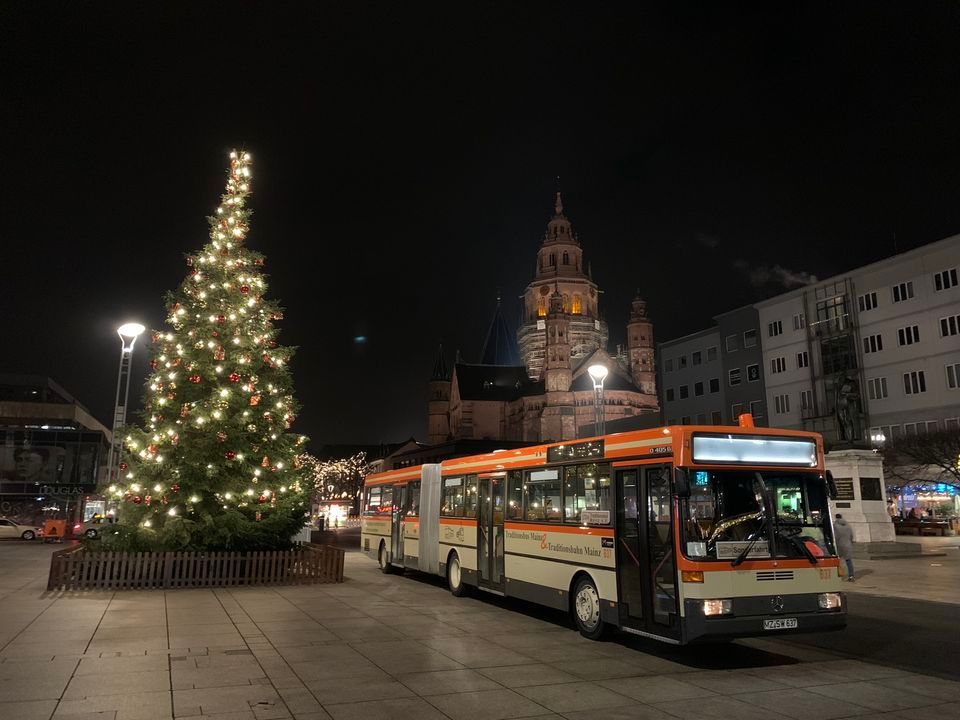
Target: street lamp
[(598, 373), (128, 332)]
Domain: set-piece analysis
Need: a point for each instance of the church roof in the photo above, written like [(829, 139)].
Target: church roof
[(495, 382), (500, 347)]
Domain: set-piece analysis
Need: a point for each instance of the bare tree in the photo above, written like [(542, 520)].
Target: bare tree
[(338, 479), (919, 456)]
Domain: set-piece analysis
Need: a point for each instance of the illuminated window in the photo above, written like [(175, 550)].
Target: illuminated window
[(542, 307), (577, 307)]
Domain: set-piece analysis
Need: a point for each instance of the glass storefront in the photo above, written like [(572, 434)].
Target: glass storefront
[(48, 474)]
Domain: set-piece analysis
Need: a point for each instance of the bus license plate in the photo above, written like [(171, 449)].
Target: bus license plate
[(780, 624)]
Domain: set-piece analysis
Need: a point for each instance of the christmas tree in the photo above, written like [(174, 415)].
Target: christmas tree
[(213, 467)]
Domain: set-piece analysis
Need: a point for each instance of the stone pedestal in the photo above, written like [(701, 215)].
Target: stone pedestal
[(862, 494)]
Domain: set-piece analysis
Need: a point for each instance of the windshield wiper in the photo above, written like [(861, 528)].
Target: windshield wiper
[(746, 551), (800, 546)]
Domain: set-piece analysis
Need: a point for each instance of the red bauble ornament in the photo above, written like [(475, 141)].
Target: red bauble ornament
[(123, 466), (152, 449), (234, 377), (258, 262), (254, 400), (184, 410), (146, 500), (176, 362), (163, 500), (153, 364), (262, 499), (175, 488), (230, 454), (222, 436), (194, 379), (137, 500), (214, 334), (221, 319), (265, 462), (218, 353), (244, 289)]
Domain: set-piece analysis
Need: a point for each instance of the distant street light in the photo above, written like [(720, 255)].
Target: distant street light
[(128, 332), (598, 373)]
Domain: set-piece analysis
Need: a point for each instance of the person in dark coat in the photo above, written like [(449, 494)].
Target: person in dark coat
[(843, 534)]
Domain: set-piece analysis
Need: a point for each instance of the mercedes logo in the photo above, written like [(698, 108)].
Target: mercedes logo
[(776, 602)]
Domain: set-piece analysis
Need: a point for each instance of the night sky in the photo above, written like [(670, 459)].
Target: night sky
[(405, 160)]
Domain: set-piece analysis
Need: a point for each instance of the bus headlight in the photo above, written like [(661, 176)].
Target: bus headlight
[(829, 601), (717, 607)]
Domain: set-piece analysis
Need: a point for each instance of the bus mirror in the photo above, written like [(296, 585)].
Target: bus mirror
[(681, 482), (831, 486)]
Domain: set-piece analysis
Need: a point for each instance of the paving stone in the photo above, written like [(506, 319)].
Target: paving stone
[(447, 681), (514, 676), (132, 706), (28, 710), (486, 705), (803, 704), (399, 709), (91, 685), (875, 695), (718, 707), (355, 689), (574, 696)]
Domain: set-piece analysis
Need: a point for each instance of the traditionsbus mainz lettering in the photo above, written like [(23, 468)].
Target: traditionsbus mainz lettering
[(652, 532)]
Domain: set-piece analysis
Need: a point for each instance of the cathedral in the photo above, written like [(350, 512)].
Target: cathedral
[(534, 387)]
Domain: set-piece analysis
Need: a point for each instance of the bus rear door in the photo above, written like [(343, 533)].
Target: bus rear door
[(490, 537)]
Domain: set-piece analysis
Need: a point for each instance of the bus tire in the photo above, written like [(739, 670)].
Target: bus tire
[(585, 608), (458, 588), (383, 560)]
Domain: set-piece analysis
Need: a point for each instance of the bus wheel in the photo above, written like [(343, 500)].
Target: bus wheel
[(383, 560), (586, 610), (455, 577)]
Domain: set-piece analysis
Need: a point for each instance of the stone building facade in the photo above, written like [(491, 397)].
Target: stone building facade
[(548, 395)]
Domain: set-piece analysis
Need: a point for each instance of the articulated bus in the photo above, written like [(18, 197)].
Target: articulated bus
[(681, 534)]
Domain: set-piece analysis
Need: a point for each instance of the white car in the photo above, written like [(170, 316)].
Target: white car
[(11, 529), (93, 527)]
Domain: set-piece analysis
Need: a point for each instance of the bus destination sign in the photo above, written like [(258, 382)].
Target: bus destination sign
[(576, 451)]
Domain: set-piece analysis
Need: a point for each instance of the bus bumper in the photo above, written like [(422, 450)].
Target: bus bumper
[(699, 628)]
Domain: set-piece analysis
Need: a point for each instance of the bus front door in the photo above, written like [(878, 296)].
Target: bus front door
[(646, 571), (490, 542)]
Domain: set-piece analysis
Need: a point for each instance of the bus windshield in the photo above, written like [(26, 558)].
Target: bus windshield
[(726, 515)]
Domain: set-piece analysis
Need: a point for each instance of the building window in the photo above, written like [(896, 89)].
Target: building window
[(684, 392), (697, 357), (753, 373), (799, 321), (736, 410), (716, 417), (775, 328), (669, 394), (806, 399), (903, 291), (681, 362), (803, 359), (577, 306), (945, 279), (756, 409), (908, 335), (949, 325), (668, 365), (867, 301), (778, 364), (750, 338), (701, 418), (877, 388), (914, 382), (566, 258), (733, 343), (733, 377), (920, 428), (711, 353), (698, 390), (872, 344), (953, 376), (685, 420), (714, 385), (553, 260), (951, 423), (781, 404)]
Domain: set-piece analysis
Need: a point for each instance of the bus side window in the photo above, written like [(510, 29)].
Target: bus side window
[(470, 496), (542, 496), (515, 495), (452, 505), (413, 498), (372, 504)]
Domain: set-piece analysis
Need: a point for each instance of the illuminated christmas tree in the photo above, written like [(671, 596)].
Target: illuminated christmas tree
[(213, 466)]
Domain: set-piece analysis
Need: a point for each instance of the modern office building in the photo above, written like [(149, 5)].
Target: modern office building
[(53, 452)]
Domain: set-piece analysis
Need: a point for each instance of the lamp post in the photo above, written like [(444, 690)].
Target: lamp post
[(128, 332), (598, 373)]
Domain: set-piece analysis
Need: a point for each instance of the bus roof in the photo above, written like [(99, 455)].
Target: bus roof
[(667, 442)]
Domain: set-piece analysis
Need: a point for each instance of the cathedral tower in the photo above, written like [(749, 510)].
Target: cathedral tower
[(438, 402), (558, 420), (640, 347), (560, 269)]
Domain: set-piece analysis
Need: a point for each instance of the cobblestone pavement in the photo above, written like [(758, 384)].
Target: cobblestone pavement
[(382, 646)]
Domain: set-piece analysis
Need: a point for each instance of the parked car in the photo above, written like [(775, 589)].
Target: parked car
[(92, 527), (11, 529)]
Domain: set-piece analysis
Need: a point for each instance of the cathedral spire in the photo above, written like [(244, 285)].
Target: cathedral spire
[(440, 366), (558, 205)]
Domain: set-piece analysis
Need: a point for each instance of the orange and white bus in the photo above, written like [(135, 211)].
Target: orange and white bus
[(683, 533)]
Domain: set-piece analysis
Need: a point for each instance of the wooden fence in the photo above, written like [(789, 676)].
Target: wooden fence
[(78, 569)]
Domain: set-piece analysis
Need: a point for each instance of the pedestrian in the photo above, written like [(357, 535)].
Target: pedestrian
[(892, 508), (843, 534)]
